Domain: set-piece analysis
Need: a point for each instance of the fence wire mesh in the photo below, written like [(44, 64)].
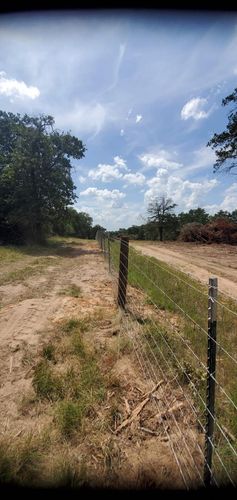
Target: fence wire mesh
[(166, 319)]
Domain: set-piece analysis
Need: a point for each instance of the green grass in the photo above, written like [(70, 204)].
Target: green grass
[(73, 324), (46, 384), (49, 352), (78, 389), (68, 417), (177, 348)]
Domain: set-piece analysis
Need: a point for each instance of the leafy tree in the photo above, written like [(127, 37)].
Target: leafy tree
[(82, 224), (225, 143), (159, 211), (36, 186), (222, 214), (94, 230), (194, 215)]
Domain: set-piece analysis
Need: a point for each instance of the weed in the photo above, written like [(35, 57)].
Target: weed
[(49, 352), (68, 417), (46, 384), (78, 346), (125, 345), (74, 324)]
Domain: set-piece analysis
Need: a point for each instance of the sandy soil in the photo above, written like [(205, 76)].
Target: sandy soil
[(199, 261), (29, 313)]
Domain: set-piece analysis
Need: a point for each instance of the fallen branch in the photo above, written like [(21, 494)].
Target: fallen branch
[(134, 415), (11, 363), (138, 408), (149, 431), (154, 389), (171, 410), (128, 409), (28, 371)]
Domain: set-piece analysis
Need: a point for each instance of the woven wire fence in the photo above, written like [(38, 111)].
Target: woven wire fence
[(168, 318)]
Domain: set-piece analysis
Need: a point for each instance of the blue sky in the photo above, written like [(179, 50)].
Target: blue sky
[(141, 89)]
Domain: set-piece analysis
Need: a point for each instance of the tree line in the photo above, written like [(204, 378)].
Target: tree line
[(194, 225)]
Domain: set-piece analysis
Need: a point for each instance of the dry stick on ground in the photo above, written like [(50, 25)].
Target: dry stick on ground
[(128, 409), (11, 363), (171, 410), (149, 431), (138, 408)]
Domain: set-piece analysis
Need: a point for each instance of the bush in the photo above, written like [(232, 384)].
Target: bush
[(218, 231)]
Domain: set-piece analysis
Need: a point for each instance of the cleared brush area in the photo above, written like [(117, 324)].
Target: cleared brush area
[(172, 317)]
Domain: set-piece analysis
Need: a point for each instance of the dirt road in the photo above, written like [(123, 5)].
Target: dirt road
[(198, 261)]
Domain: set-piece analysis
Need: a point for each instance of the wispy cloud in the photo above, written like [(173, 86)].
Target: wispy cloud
[(83, 118), (15, 88), (122, 48)]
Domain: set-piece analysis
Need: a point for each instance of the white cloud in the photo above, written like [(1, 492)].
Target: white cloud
[(104, 194), (105, 173), (137, 178), (111, 217), (11, 87), (122, 132), (159, 159), (185, 193), (82, 179), (120, 162), (194, 109), (229, 202), (138, 118), (108, 173)]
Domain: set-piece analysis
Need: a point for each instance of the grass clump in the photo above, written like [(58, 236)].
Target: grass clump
[(68, 417), (73, 324), (49, 352), (46, 384)]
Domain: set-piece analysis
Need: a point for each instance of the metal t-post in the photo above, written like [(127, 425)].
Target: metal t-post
[(211, 383), (123, 271)]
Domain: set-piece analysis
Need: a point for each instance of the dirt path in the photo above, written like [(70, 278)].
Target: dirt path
[(199, 261), (27, 319)]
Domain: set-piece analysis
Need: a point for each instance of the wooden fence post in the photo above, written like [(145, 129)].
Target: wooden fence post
[(211, 383), (123, 271)]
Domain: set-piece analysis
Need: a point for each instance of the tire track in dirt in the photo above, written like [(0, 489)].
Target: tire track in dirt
[(195, 266)]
